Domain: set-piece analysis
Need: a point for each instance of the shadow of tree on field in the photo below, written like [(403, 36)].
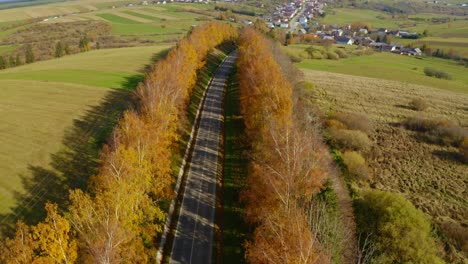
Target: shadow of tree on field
[(78, 160), (71, 167), (448, 155)]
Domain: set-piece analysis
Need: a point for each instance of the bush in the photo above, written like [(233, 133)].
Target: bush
[(440, 131), (294, 58), (356, 165), (400, 232), (318, 55), (342, 53), (436, 73), (419, 104), (335, 124), (419, 123), (354, 121), (350, 139), (447, 134), (457, 233), (332, 55)]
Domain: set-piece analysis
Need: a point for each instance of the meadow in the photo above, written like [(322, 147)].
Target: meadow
[(395, 67), (450, 34), (430, 175), (44, 100), (137, 25)]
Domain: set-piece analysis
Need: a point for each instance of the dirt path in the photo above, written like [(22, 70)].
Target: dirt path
[(347, 216)]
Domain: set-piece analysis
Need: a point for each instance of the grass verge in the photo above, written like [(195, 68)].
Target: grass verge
[(234, 231)]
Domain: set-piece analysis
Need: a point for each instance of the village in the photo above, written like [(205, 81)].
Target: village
[(298, 18)]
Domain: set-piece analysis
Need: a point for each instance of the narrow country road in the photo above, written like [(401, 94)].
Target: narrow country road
[(193, 241)]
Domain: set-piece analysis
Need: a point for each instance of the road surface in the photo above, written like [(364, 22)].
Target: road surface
[(193, 241), (293, 23)]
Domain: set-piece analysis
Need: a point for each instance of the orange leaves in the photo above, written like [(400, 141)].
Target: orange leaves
[(265, 93), (50, 241), (284, 240), (287, 167), (123, 218), (55, 239)]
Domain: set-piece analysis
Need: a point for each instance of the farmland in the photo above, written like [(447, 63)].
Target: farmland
[(445, 31), (114, 24), (49, 97), (429, 175), (389, 66)]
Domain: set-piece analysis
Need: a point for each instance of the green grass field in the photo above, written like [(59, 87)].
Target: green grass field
[(117, 19), (342, 16), (396, 67), (450, 35), (142, 16), (40, 101)]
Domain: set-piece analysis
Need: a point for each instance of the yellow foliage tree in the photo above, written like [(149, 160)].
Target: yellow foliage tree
[(20, 249), (55, 240)]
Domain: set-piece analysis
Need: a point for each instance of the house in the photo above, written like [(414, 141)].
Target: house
[(337, 32), (328, 38), (284, 25), (410, 51), (382, 31), (303, 20), (144, 3), (344, 41), (363, 31)]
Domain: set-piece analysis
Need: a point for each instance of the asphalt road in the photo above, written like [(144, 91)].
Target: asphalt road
[(193, 242)]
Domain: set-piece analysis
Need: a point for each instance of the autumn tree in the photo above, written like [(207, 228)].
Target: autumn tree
[(18, 61), (29, 54), (286, 168), (284, 240), (59, 51), (3, 63), (20, 248), (84, 44), (66, 49), (121, 218), (55, 239), (12, 62)]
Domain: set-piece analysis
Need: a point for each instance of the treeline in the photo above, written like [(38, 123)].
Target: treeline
[(286, 167), (48, 40), (121, 217)]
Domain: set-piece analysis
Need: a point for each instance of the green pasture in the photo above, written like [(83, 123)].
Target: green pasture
[(117, 19), (396, 67), (142, 16)]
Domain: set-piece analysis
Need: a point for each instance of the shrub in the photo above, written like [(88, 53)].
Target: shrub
[(356, 165), (419, 123), (447, 134), (400, 232), (294, 58), (332, 55), (350, 139), (335, 124), (440, 131), (419, 104), (342, 53), (318, 55), (354, 121), (457, 233), (436, 73)]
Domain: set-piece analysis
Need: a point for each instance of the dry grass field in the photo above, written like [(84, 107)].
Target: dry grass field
[(431, 176)]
